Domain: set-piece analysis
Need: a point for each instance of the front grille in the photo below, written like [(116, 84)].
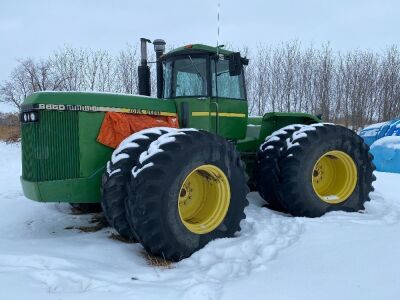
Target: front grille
[(50, 147)]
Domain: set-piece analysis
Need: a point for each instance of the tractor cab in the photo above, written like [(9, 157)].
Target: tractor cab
[(199, 71), (208, 87)]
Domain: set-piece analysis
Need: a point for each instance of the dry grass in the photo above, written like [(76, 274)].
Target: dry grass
[(99, 222), (157, 261), (120, 238), (9, 133)]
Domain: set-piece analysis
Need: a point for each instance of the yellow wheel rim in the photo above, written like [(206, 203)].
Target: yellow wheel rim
[(204, 199), (334, 177)]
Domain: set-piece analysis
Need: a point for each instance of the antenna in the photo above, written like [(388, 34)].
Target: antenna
[(218, 7)]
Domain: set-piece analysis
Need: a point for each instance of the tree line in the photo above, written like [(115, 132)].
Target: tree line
[(353, 88)]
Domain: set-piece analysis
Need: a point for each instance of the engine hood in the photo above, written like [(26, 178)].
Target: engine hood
[(98, 102)]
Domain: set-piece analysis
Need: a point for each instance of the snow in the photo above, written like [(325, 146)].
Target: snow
[(111, 173), (369, 133), (272, 138), (136, 171), (372, 130), (291, 145), (375, 126), (130, 141), (298, 135), (310, 127), (275, 256), (325, 123), (284, 131), (301, 132), (392, 142), (154, 148), (275, 136)]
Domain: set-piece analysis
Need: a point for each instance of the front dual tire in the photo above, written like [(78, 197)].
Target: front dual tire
[(116, 178), (187, 188)]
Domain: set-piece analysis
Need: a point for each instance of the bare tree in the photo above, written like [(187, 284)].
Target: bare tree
[(126, 70), (353, 88), (16, 89), (69, 64)]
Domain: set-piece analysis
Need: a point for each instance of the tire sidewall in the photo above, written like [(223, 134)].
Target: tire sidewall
[(340, 142)]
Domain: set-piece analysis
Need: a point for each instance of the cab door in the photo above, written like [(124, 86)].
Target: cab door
[(228, 101), (187, 82), (195, 113)]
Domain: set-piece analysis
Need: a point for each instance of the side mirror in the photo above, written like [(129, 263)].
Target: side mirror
[(235, 64)]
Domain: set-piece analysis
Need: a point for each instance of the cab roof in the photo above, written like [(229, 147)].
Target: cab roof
[(197, 48)]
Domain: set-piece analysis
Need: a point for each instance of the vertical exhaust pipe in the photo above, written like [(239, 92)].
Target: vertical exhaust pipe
[(159, 48), (144, 70)]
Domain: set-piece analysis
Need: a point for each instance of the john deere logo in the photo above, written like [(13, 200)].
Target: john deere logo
[(91, 108)]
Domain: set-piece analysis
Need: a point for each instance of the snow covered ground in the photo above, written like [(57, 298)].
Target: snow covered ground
[(338, 256)]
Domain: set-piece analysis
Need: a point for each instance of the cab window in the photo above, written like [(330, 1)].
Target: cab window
[(228, 86), (185, 77)]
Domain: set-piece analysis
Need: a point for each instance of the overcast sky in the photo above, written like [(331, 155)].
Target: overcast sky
[(36, 28)]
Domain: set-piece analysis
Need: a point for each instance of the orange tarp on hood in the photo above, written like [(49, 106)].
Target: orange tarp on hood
[(118, 126)]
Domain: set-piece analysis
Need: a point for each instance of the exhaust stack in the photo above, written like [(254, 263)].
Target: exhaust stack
[(159, 48), (144, 70)]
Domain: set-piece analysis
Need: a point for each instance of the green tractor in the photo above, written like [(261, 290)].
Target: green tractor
[(175, 188)]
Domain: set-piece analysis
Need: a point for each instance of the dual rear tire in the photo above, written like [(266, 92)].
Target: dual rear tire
[(316, 169)]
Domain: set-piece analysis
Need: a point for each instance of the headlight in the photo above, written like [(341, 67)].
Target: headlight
[(27, 117)]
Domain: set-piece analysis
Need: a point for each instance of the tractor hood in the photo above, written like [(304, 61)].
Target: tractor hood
[(63, 150), (98, 102)]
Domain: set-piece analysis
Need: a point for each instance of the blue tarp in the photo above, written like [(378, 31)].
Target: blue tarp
[(384, 140), (377, 131), (386, 152)]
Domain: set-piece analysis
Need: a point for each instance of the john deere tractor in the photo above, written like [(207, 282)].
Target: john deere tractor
[(173, 172)]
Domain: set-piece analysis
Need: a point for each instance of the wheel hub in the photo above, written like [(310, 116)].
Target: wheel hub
[(204, 199), (334, 177)]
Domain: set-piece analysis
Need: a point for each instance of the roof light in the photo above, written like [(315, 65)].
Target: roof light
[(188, 46)]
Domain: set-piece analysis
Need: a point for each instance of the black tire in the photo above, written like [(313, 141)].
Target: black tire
[(117, 176), (152, 204), (305, 148), (87, 208), (267, 167)]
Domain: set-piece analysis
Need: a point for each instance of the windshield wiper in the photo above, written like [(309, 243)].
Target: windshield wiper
[(197, 70)]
